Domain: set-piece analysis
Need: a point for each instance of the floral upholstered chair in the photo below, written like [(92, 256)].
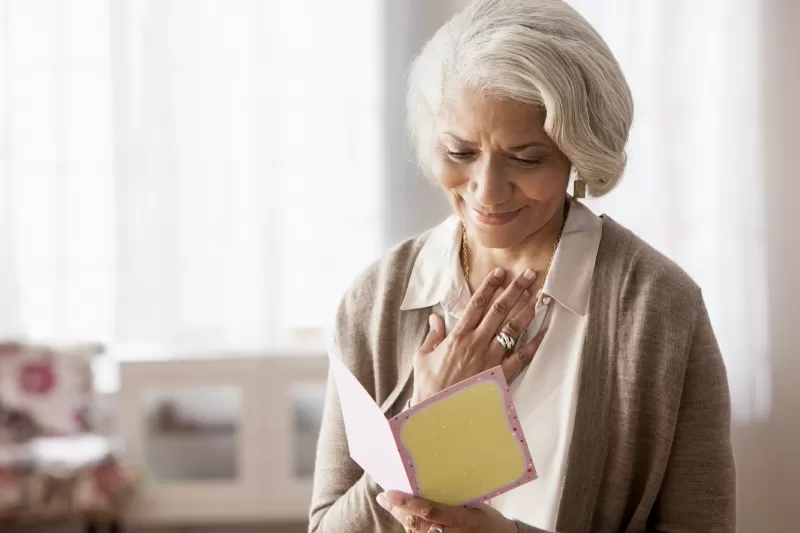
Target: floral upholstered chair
[(52, 465)]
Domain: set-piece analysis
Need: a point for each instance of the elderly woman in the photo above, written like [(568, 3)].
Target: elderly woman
[(614, 369)]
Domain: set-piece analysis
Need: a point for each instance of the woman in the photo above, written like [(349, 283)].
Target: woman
[(625, 405)]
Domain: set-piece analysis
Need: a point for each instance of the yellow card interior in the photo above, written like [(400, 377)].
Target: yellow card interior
[(463, 446)]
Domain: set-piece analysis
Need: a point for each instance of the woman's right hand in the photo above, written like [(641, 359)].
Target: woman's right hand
[(471, 347)]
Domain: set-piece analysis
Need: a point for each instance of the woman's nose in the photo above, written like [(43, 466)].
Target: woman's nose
[(489, 183)]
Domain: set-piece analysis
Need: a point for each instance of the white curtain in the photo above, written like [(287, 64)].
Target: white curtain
[(692, 187), (197, 174), (188, 174)]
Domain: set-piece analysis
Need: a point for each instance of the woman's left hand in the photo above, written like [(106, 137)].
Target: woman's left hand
[(418, 515)]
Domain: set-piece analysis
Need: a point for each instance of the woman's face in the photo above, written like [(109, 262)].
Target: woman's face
[(503, 175)]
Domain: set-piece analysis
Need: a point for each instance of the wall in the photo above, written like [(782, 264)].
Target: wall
[(411, 203), (782, 145), (768, 465), (767, 460)]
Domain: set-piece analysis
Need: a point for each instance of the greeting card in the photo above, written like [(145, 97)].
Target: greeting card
[(462, 446)]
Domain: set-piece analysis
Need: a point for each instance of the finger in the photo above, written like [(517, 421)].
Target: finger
[(435, 334), (430, 512), (514, 326), (409, 521), (514, 363), (521, 304), (480, 301), (502, 306)]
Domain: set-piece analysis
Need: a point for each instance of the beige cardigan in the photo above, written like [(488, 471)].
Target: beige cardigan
[(651, 449)]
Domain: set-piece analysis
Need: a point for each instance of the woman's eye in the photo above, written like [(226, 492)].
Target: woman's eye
[(527, 162), (460, 156)]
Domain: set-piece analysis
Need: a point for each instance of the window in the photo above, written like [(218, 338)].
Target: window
[(692, 186), (186, 174)]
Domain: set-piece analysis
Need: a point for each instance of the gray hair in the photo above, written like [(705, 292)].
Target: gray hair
[(540, 52)]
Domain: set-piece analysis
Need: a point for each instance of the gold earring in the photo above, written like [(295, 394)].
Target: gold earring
[(578, 189)]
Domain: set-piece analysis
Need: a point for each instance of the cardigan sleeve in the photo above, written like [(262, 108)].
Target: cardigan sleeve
[(698, 492)]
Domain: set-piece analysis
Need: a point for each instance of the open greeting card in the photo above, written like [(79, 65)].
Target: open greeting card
[(462, 446)]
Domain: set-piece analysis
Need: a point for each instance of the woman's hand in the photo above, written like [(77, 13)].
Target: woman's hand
[(471, 347), (419, 516)]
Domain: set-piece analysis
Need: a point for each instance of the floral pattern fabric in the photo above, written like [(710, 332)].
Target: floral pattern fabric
[(51, 466)]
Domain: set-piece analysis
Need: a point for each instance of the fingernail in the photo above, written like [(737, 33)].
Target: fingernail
[(382, 501), (432, 323), (528, 274), (497, 273)]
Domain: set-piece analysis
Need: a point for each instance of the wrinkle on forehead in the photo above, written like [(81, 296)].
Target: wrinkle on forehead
[(474, 116)]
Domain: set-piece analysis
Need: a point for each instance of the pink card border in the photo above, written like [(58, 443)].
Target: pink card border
[(495, 375)]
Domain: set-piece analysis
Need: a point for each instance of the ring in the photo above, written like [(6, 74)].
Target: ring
[(435, 529), (506, 341)]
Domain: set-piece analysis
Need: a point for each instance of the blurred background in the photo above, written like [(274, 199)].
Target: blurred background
[(201, 179)]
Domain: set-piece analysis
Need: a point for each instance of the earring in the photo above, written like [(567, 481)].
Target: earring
[(578, 189)]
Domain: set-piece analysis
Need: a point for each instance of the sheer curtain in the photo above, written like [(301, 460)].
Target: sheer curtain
[(195, 174), (693, 185), (186, 174)]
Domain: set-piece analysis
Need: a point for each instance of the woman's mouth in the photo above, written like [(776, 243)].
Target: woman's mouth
[(495, 219)]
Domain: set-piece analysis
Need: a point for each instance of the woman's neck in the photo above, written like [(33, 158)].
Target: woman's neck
[(535, 252)]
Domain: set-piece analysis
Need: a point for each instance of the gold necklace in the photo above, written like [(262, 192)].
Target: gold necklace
[(465, 258)]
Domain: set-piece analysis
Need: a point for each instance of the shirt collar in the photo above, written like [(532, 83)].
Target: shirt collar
[(570, 278), (433, 275), (436, 276)]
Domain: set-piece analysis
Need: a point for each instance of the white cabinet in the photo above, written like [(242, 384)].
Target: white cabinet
[(220, 440)]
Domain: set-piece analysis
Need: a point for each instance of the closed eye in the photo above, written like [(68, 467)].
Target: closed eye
[(527, 162), (460, 156)]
